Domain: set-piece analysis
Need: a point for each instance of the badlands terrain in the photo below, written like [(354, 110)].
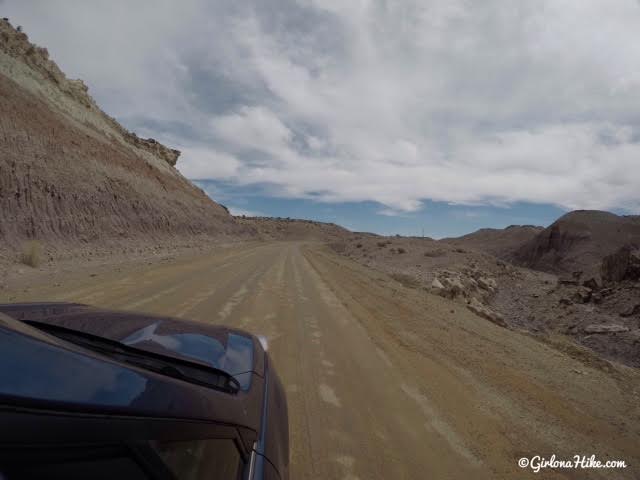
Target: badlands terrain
[(71, 176), (577, 281), (401, 357)]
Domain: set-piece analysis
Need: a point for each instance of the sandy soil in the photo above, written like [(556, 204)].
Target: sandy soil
[(383, 381)]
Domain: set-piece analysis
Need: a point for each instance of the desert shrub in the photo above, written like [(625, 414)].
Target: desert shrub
[(406, 280), (338, 247), (32, 254), (382, 244), (461, 250), (359, 245), (434, 253), (401, 250)]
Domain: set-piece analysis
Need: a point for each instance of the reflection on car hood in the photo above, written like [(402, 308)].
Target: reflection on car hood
[(235, 358), (211, 345)]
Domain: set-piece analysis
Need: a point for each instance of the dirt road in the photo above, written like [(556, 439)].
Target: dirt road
[(385, 381)]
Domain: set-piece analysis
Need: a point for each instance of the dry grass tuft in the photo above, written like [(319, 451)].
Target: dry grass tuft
[(32, 254), (338, 247)]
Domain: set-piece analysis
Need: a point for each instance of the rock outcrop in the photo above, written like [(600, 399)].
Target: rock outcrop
[(471, 287), (32, 61), (485, 312), (605, 328), (624, 264), (602, 316), (500, 242)]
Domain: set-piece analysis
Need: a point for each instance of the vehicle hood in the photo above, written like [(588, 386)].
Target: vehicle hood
[(227, 351), (235, 352)]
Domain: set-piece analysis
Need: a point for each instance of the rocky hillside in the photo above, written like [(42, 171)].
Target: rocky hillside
[(578, 242), (601, 311), (500, 242), (270, 228), (71, 176)]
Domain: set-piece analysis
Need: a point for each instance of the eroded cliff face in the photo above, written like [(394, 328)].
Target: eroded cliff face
[(71, 176)]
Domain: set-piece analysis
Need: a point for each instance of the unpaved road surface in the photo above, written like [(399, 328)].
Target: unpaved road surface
[(383, 381)]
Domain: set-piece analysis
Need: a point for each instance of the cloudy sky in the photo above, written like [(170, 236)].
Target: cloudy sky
[(391, 116)]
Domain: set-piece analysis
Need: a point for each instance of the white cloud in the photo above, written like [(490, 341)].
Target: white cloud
[(254, 128), (390, 212), (238, 212), (206, 163), (393, 101)]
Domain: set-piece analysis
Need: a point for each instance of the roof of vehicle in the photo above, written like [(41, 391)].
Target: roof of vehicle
[(44, 370)]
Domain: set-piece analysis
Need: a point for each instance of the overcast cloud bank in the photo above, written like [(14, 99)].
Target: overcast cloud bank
[(396, 102)]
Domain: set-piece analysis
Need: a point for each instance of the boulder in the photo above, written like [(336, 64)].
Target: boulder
[(487, 283), (582, 295), (464, 285), (453, 285), (629, 312), (605, 292), (447, 287), (596, 297), (437, 284), (485, 312), (592, 283), (605, 328)]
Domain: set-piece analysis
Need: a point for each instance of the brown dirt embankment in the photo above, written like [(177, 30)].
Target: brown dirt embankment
[(74, 180)]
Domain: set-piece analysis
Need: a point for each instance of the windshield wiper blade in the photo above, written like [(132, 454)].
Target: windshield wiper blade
[(180, 369)]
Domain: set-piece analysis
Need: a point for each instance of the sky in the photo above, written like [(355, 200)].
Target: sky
[(397, 116)]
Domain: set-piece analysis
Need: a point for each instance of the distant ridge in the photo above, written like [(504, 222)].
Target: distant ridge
[(278, 228), (500, 242)]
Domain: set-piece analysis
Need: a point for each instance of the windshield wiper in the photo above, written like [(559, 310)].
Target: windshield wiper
[(172, 367)]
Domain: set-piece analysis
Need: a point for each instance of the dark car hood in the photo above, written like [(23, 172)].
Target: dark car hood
[(229, 350)]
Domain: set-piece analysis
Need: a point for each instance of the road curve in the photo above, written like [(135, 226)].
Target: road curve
[(384, 381)]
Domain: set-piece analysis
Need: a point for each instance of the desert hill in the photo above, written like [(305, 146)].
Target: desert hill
[(273, 228), (578, 242), (71, 176), (500, 242)]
